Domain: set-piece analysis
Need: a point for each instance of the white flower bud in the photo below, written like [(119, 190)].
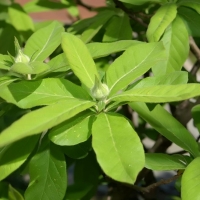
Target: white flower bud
[(100, 90), (21, 57)]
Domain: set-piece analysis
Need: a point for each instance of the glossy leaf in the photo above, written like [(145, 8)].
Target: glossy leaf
[(72, 131), (159, 93), (195, 115), (44, 41), (94, 28), (160, 162), (19, 18), (175, 78), (42, 119), (168, 126), (15, 154), (176, 42), (111, 133), (118, 28), (79, 59), (48, 178), (191, 19), (194, 4), (98, 50), (160, 21), (190, 181), (27, 94), (124, 70)]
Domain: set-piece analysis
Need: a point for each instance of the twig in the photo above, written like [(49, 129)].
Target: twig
[(194, 48), (79, 2), (129, 13)]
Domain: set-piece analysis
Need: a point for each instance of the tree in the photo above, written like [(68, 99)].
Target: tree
[(68, 98)]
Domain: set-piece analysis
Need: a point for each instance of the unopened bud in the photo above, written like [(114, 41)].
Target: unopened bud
[(100, 90), (21, 57)]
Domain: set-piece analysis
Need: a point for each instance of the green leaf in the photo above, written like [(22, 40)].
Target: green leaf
[(14, 155), (176, 42), (168, 126), (59, 63), (79, 59), (72, 131), (133, 63), (94, 28), (6, 80), (140, 2), (98, 50), (118, 28), (27, 94), (84, 182), (44, 41), (160, 21), (160, 162), (19, 18), (48, 178), (5, 62), (190, 181), (195, 115), (175, 78), (159, 93), (41, 6), (42, 119), (13, 194), (194, 4), (21, 68), (78, 151), (111, 134), (191, 19)]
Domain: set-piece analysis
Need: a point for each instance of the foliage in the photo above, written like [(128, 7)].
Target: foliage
[(66, 98)]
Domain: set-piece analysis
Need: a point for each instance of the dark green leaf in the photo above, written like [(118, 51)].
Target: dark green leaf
[(48, 178)]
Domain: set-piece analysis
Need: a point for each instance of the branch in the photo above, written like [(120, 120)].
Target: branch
[(80, 3), (129, 13)]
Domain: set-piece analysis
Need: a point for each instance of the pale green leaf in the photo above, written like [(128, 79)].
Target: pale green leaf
[(98, 50), (94, 28), (5, 62), (190, 181), (194, 4), (175, 78), (43, 119), (118, 147), (167, 125), (5, 81), (14, 155), (44, 41), (79, 59), (48, 178), (27, 94), (59, 63), (176, 42), (160, 21), (160, 162), (133, 63), (72, 131), (118, 28), (19, 18), (159, 93)]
